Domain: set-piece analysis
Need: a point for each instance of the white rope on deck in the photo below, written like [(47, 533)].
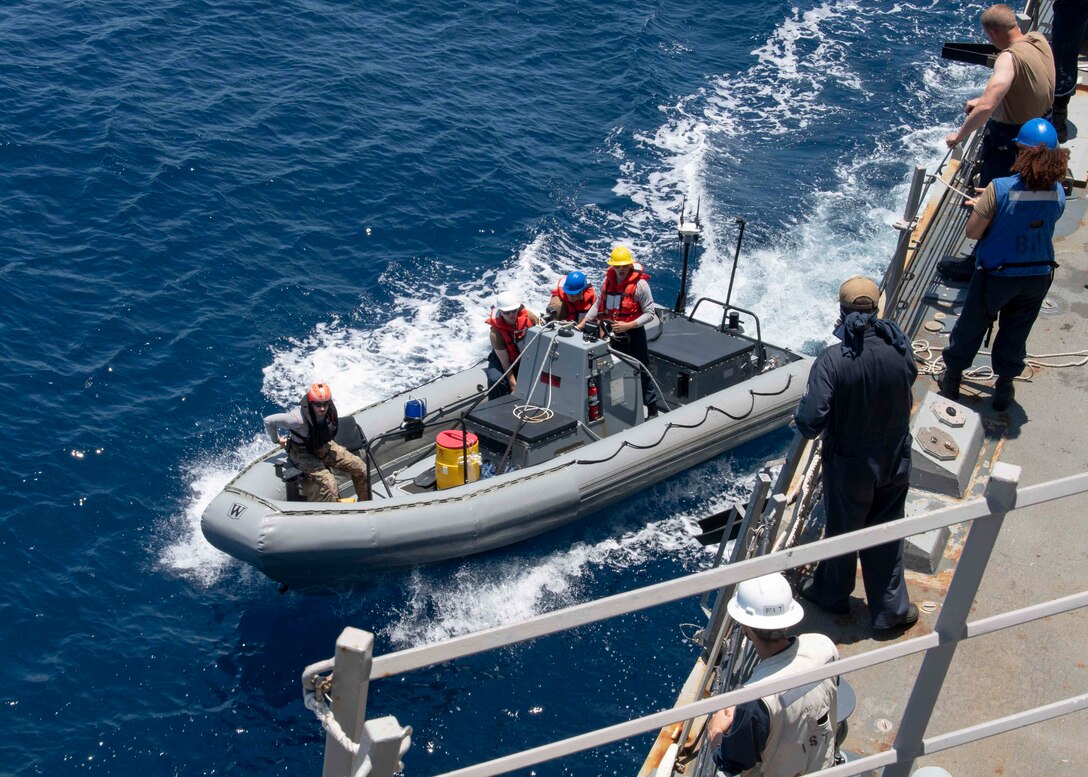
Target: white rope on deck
[(930, 364)]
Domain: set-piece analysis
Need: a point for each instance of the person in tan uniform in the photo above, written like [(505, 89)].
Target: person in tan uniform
[(1020, 89)]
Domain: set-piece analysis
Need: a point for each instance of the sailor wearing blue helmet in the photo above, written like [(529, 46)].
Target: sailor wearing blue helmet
[(575, 282), (1013, 222), (572, 298)]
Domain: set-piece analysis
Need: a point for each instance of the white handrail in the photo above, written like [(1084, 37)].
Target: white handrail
[(710, 580), (1002, 496)]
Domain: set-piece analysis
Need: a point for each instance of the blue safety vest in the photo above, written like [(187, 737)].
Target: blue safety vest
[(1020, 239)]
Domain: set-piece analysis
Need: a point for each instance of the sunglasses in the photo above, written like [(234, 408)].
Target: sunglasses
[(321, 405)]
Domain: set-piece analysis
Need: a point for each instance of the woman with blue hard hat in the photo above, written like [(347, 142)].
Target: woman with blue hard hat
[(572, 298), (1013, 222)]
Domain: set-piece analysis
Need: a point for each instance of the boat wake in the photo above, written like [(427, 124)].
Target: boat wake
[(708, 147), (658, 526), (186, 552)]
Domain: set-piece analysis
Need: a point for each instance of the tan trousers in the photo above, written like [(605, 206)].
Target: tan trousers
[(318, 482)]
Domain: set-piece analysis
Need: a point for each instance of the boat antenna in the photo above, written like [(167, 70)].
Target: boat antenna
[(736, 258), (689, 233)]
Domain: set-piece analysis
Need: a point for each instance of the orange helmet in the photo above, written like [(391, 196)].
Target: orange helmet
[(319, 392)]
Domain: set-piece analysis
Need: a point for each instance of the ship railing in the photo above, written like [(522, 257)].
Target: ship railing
[(919, 228), (361, 748)]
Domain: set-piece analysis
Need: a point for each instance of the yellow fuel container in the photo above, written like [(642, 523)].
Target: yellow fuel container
[(449, 462)]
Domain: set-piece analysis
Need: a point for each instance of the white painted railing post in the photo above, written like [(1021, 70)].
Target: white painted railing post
[(951, 623), (893, 277), (383, 743), (351, 677)]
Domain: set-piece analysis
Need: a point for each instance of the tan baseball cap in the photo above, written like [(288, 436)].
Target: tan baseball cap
[(859, 293)]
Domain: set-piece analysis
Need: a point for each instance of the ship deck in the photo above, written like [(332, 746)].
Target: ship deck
[(1042, 552)]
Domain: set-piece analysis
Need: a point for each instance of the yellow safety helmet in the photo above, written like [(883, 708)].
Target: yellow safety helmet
[(621, 255)]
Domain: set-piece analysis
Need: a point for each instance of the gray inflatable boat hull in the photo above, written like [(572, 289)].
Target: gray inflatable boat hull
[(305, 544)]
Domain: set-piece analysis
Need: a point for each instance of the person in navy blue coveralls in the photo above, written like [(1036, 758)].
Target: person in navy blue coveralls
[(1067, 35), (859, 398)]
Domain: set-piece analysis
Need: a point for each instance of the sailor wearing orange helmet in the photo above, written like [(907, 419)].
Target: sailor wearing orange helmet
[(310, 443)]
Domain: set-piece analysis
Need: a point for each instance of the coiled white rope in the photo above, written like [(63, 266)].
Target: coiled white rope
[(530, 413), (928, 364)]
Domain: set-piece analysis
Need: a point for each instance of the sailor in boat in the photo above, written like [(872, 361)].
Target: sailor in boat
[(509, 321), (1013, 222), (572, 299), (311, 428), (626, 306), (859, 398), (788, 733)]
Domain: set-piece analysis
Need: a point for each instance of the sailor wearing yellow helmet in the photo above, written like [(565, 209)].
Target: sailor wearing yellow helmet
[(627, 303)]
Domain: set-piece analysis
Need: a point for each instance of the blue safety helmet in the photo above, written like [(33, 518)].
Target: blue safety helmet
[(1037, 132), (575, 283)]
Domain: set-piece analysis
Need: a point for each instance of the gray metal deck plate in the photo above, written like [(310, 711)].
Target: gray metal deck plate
[(947, 292)]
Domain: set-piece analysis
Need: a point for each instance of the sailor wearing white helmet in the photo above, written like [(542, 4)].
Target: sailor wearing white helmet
[(509, 321), (784, 734)]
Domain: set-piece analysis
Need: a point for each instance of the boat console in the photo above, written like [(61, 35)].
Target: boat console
[(570, 392)]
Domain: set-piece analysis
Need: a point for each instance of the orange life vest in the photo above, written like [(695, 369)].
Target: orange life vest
[(575, 309), (618, 302), (512, 334)]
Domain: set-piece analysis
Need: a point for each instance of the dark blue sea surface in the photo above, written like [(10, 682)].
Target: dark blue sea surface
[(206, 206)]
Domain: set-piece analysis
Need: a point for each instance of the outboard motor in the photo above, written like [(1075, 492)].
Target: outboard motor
[(414, 412)]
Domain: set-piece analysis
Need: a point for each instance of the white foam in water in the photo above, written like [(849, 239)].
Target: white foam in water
[(836, 232), (415, 345), (779, 93), (794, 278), (485, 593), (188, 553)]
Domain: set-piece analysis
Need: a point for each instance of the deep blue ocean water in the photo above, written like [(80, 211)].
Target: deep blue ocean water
[(204, 207)]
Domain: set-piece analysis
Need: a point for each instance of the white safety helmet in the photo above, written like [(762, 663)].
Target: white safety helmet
[(765, 603), (507, 302)]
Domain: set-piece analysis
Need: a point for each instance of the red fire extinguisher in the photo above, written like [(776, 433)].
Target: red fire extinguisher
[(593, 401)]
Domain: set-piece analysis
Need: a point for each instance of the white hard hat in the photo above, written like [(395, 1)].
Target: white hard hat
[(765, 603), (931, 771), (506, 302)]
